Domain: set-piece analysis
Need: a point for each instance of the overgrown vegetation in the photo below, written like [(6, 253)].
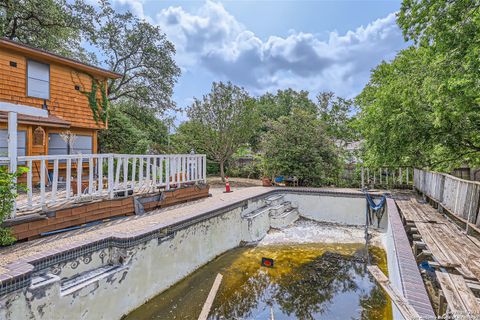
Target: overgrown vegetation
[(8, 194), (133, 129), (422, 108), (219, 123), (297, 145), (98, 105), (275, 134)]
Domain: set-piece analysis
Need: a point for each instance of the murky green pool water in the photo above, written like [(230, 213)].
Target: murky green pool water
[(309, 281)]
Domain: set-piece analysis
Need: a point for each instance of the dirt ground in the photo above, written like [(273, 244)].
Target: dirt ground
[(216, 182)]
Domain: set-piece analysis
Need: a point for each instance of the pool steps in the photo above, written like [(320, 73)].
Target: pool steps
[(276, 213)]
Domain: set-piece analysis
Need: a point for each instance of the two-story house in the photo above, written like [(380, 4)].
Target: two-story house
[(61, 86)]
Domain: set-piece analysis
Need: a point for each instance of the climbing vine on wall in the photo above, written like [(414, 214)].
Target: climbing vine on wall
[(97, 97), (99, 106)]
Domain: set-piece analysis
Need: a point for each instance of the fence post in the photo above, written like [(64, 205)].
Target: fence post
[(12, 153)]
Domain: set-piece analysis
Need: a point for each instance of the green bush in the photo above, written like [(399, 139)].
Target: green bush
[(8, 194), (213, 168), (297, 145), (251, 170)]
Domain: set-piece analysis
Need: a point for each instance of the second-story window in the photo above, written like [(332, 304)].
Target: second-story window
[(38, 80)]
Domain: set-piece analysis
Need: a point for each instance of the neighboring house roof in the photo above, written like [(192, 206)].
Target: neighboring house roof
[(52, 57), (50, 121)]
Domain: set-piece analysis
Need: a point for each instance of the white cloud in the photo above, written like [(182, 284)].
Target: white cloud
[(213, 39), (134, 6)]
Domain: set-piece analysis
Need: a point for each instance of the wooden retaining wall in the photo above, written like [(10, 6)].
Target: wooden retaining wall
[(32, 226), (460, 197)]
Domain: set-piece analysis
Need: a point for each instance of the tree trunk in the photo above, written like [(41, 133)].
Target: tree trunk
[(222, 170)]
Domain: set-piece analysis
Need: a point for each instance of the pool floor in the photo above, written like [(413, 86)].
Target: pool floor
[(308, 281)]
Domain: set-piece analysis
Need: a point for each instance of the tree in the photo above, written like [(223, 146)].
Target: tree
[(338, 114), (423, 107), (298, 145), (220, 122), (270, 107), (133, 130), (53, 25), (395, 118), (140, 52)]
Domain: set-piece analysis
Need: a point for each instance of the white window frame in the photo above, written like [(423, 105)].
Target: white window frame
[(28, 78)]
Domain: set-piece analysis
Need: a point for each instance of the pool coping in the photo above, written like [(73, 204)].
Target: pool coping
[(413, 287)]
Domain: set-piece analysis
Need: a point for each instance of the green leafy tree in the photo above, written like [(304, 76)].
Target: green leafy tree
[(185, 139), (133, 129), (423, 108), (298, 145), (53, 25), (140, 52), (219, 123), (269, 107), (338, 114), (395, 120)]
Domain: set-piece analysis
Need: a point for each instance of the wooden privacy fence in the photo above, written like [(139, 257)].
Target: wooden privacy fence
[(54, 179), (460, 197)]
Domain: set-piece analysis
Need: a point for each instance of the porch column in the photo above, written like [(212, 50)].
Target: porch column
[(12, 150)]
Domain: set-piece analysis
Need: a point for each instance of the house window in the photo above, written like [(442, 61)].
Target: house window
[(57, 146), (83, 145), (21, 143), (38, 80)]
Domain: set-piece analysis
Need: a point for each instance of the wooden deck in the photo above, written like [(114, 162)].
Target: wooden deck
[(457, 294), (454, 254)]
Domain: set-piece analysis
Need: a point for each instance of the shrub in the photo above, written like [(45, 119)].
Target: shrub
[(8, 194), (297, 145)]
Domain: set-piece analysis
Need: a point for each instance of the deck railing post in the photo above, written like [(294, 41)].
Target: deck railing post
[(110, 176), (167, 173), (12, 153), (204, 158), (68, 177)]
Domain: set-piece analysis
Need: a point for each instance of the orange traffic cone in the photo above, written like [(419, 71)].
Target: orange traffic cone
[(227, 186)]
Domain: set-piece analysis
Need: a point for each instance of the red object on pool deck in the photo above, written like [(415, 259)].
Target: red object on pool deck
[(227, 186), (267, 262)]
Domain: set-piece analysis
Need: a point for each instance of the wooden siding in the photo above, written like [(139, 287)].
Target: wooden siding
[(65, 102)]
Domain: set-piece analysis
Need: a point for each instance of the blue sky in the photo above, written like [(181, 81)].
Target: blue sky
[(269, 45)]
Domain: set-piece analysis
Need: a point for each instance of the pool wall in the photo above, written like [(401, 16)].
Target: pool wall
[(332, 207), (107, 278)]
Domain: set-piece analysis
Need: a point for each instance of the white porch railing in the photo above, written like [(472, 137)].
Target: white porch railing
[(54, 179)]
